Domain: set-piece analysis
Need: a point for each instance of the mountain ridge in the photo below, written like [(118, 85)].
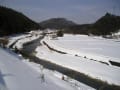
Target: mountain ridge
[(56, 23), (106, 25)]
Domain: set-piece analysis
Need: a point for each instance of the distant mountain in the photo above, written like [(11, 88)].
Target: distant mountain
[(106, 25), (12, 22), (56, 23)]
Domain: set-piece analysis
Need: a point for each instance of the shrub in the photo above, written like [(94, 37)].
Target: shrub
[(60, 33), (3, 42)]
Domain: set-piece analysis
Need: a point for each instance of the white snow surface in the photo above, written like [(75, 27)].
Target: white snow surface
[(19, 40), (14, 38), (19, 44), (74, 83), (16, 74), (99, 49), (89, 67)]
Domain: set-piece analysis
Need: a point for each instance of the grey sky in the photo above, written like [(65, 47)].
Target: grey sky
[(80, 11)]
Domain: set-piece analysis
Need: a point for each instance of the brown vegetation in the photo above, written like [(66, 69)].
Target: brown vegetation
[(3, 42)]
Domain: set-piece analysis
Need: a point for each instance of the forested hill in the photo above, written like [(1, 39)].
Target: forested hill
[(57, 23), (106, 25), (12, 22)]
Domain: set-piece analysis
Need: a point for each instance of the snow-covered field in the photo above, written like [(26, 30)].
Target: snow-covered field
[(99, 49), (19, 74), (95, 48), (16, 74), (81, 53)]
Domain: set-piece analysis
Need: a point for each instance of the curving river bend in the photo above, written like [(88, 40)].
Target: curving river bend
[(29, 49)]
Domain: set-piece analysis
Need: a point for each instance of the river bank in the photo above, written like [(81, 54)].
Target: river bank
[(28, 52)]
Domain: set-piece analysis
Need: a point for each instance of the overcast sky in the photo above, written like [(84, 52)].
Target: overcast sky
[(80, 11)]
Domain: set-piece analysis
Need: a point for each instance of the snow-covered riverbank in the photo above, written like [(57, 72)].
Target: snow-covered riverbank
[(13, 71), (18, 40), (89, 67), (22, 75), (98, 49)]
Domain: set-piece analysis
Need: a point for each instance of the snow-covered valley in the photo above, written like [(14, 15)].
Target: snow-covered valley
[(90, 56), (22, 75), (17, 73)]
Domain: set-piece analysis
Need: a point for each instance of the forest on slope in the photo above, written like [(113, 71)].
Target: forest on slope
[(106, 25), (12, 22)]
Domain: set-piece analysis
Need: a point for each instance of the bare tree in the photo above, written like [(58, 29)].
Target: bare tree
[(42, 76)]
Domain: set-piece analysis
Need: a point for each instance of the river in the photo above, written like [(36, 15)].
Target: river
[(29, 49)]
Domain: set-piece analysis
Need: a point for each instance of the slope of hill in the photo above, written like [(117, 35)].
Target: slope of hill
[(56, 23), (12, 22)]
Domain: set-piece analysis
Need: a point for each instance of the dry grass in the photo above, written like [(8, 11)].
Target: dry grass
[(3, 41)]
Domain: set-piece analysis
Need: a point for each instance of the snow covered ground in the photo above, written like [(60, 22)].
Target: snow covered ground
[(99, 49), (19, 44), (16, 74), (14, 38), (72, 44), (76, 47), (19, 74), (21, 39)]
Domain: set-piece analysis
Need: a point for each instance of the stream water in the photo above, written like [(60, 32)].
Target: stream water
[(28, 50)]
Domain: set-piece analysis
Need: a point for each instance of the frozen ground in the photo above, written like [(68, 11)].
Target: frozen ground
[(16, 74)]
